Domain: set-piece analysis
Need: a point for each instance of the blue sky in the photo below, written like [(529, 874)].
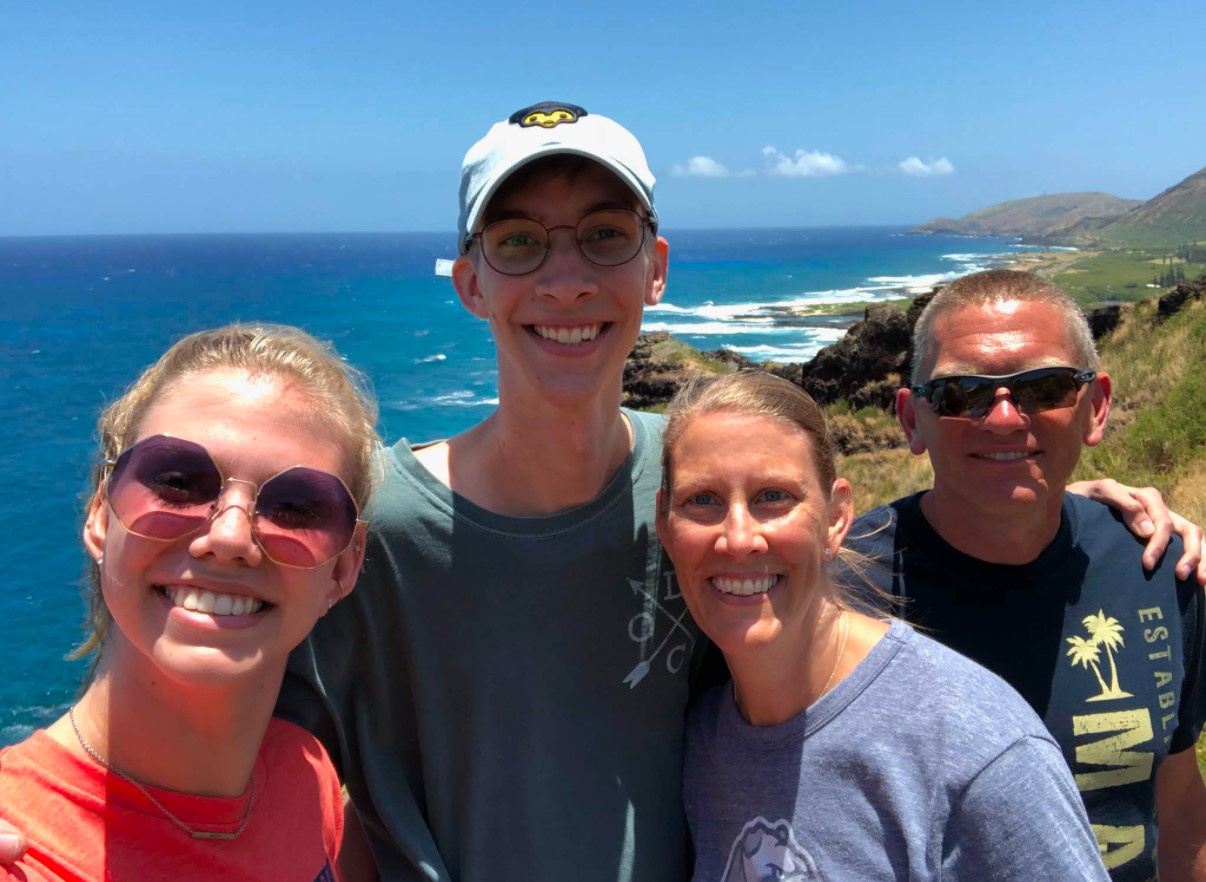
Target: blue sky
[(127, 117)]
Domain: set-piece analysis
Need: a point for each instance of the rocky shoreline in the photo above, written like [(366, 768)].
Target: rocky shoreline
[(863, 369)]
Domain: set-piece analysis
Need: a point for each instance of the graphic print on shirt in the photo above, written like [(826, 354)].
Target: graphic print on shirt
[(662, 630), (766, 850), (1116, 745), (1103, 632)]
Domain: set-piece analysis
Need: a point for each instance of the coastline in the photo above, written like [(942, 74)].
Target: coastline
[(1045, 263)]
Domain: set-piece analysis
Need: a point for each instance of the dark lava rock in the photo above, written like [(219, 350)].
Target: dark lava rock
[(864, 366), (649, 381), (1172, 302), (1103, 319)]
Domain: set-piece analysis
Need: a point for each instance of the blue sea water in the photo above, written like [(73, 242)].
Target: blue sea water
[(79, 317)]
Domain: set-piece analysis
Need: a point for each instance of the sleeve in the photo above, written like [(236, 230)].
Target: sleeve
[(1192, 712), (1021, 817), (332, 806)]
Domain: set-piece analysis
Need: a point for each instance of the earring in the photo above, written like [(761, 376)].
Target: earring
[(331, 601), (828, 551), (100, 562)]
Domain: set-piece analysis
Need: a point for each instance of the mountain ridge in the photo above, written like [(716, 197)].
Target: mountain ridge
[(1174, 216)]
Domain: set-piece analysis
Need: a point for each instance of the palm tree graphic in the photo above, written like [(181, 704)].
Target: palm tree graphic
[(1103, 631)]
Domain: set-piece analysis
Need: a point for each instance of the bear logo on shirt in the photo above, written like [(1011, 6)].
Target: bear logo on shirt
[(767, 851)]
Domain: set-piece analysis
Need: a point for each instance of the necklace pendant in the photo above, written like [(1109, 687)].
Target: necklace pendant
[(206, 834)]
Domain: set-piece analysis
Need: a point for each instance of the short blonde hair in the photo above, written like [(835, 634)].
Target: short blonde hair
[(999, 286), (340, 397)]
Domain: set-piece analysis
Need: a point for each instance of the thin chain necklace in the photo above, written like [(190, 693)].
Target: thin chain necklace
[(196, 834), (837, 664), (841, 652)]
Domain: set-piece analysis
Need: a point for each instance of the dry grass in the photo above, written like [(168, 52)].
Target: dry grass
[(884, 475)]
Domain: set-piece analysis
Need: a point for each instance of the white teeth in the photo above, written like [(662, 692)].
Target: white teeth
[(213, 603), (568, 335), (1006, 456), (744, 587)]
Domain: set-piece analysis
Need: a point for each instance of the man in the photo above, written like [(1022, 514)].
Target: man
[(507, 700), (1044, 588)]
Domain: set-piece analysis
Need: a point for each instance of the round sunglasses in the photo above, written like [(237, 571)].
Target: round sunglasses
[(516, 246), (165, 488), (972, 396)]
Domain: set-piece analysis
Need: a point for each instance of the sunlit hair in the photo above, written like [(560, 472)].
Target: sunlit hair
[(993, 287), (558, 165), (340, 400), (755, 393)]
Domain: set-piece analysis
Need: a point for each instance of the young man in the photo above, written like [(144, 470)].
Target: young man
[(1044, 588), (507, 702)]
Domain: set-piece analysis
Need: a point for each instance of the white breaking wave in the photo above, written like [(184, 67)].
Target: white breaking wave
[(460, 398), (711, 329), (439, 356), (786, 354)]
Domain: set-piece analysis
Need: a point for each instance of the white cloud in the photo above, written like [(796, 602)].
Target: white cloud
[(806, 164), (914, 166), (699, 167)]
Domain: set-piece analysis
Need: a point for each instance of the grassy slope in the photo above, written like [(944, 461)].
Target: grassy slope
[(1117, 275), (1157, 430)]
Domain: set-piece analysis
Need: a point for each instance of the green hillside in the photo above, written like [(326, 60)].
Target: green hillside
[(1092, 220), (1038, 216), (1175, 216)]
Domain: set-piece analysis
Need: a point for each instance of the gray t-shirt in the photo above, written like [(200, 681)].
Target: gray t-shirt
[(505, 696), (919, 765)]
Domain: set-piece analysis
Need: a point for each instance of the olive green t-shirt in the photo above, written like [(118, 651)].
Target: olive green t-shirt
[(505, 696)]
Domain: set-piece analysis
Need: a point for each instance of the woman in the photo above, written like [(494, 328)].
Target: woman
[(846, 747), (224, 522)]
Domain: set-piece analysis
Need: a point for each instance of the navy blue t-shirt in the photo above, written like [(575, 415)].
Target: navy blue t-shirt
[(1109, 655)]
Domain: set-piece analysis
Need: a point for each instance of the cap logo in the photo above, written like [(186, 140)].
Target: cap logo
[(547, 114)]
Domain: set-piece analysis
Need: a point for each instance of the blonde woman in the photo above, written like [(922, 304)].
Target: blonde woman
[(224, 522)]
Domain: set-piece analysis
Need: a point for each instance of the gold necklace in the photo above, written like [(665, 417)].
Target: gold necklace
[(837, 664), (196, 834), (841, 652)]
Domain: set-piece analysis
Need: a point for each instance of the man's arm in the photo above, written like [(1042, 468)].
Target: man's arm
[(1144, 511), (1181, 812)]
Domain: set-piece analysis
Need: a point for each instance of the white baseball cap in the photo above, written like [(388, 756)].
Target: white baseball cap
[(546, 129)]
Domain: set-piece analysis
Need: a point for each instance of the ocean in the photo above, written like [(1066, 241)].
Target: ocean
[(80, 317)]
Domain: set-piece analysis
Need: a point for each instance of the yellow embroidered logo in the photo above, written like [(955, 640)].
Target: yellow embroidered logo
[(548, 120), (1105, 632), (547, 114)]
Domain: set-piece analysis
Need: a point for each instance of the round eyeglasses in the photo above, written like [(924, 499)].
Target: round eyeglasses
[(515, 246)]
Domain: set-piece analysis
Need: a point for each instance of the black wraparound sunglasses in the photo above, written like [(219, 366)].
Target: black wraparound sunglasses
[(971, 396)]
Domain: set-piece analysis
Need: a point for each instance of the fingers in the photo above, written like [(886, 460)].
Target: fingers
[(12, 843), (1161, 519), (1191, 562), (1140, 508)]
